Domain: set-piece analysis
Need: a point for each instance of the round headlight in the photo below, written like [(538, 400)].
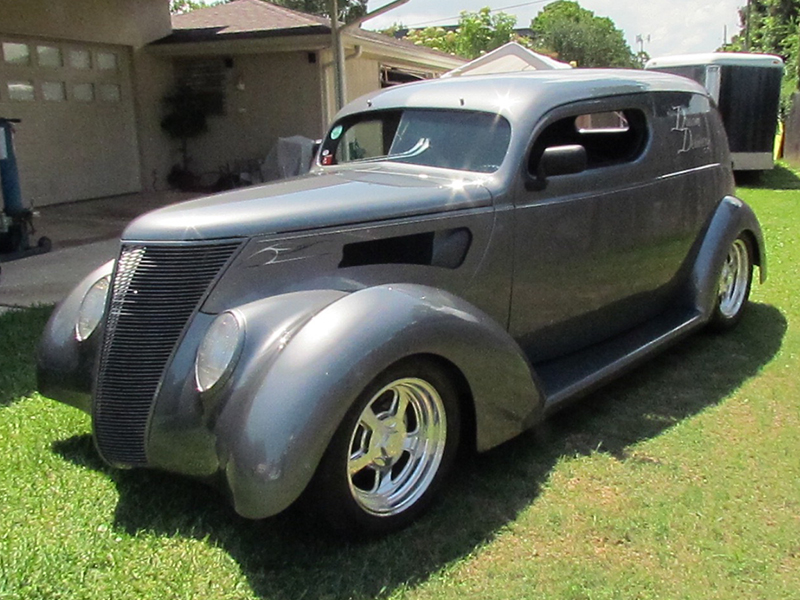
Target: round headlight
[(92, 308), (218, 350)]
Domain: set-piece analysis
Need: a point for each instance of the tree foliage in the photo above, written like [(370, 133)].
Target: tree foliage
[(178, 7), (773, 29), (349, 10), (571, 33), (477, 32)]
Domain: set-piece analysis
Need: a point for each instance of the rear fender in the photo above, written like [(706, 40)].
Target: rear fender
[(731, 218), (271, 440)]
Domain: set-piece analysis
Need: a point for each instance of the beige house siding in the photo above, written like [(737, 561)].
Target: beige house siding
[(79, 136)]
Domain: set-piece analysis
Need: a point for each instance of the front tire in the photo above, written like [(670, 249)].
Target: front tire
[(733, 289), (391, 452)]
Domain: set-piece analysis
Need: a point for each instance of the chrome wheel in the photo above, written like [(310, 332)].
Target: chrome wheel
[(397, 446), (734, 282)]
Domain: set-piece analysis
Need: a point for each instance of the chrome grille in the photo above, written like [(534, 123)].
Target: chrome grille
[(156, 290)]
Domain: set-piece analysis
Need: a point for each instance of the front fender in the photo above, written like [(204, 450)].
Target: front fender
[(65, 366), (731, 218), (184, 424), (271, 439)]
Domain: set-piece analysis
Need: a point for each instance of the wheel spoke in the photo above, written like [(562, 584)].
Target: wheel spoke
[(384, 483), (400, 405), (360, 461), (370, 420), (412, 443)]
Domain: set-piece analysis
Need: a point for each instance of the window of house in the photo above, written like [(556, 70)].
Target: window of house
[(16, 54), (609, 138), (109, 92), (21, 90), (83, 92), (80, 59), (205, 79), (49, 56), (54, 91), (107, 61), (391, 76)]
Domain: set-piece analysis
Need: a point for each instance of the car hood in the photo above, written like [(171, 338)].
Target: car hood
[(329, 199)]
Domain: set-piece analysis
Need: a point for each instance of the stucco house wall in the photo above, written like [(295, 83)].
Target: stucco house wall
[(267, 96)]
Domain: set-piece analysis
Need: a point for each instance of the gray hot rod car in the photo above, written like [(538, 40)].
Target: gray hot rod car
[(466, 256)]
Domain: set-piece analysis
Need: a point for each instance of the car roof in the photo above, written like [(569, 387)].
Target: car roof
[(515, 94)]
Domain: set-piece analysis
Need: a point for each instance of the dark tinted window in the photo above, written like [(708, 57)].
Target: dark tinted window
[(608, 137)]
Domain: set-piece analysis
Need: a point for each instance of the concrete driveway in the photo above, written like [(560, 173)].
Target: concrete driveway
[(85, 235)]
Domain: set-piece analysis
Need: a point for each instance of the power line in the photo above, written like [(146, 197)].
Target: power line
[(494, 10)]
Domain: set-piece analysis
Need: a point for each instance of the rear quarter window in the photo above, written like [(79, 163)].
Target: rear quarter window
[(683, 129)]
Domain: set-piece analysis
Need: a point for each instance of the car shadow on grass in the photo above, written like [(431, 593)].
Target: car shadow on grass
[(288, 557), (780, 177)]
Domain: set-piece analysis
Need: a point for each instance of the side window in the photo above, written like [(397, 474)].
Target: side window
[(362, 138), (363, 141), (609, 138)]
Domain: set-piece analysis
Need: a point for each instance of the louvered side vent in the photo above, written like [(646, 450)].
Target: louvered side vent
[(156, 290)]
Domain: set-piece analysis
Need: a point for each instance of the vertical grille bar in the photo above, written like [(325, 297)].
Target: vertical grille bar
[(155, 291)]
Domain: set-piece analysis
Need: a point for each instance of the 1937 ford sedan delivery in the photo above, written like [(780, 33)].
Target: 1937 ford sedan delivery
[(466, 256)]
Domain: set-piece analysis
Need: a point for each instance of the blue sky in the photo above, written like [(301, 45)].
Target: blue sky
[(674, 26)]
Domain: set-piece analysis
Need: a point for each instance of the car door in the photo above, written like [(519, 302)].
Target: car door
[(596, 252)]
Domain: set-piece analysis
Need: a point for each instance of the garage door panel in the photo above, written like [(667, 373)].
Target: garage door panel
[(81, 144)]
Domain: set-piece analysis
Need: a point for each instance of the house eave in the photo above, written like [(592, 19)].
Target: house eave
[(300, 39), (243, 44)]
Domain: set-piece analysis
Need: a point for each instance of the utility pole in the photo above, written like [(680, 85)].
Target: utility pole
[(747, 28), (641, 39), (337, 29), (338, 54)]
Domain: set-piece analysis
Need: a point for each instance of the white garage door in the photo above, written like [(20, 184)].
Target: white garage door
[(77, 138)]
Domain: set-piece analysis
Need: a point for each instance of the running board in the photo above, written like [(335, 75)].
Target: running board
[(565, 379)]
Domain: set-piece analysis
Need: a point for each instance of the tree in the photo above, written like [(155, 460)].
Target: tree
[(185, 119), (476, 33), (179, 7), (349, 10), (574, 34), (771, 26)]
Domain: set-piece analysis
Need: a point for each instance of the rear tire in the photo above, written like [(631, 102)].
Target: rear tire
[(733, 289), (391, 452)]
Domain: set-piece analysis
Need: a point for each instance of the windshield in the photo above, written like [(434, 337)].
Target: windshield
[(462, 140)]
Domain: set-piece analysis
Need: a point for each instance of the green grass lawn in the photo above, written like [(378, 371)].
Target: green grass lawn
[(681, 480)]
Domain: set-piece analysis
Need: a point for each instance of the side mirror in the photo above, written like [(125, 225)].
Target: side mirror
[(557, 160), (562, 160)]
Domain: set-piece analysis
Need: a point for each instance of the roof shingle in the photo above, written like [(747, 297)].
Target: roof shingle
[(245, 16)]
